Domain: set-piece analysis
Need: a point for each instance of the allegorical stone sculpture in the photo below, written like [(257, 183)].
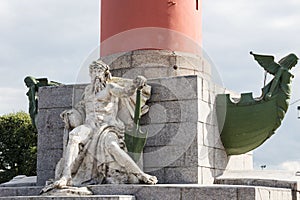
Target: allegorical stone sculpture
[(94, 147), (33, 85), (247, 123)]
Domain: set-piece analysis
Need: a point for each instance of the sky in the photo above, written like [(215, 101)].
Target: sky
[(52, 38)]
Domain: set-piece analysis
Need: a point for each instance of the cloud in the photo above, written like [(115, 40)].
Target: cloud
[(290, 165), (47, 37), (12, 100)]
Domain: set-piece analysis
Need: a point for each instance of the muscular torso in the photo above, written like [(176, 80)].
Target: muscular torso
[(102, 107)]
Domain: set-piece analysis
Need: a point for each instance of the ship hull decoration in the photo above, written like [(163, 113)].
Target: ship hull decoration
[(247, 123)]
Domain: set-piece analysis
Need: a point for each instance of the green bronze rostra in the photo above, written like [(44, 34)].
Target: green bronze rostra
[(248, 122), (33, 85)]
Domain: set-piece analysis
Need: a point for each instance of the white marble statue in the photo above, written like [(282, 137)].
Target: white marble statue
[(94, 151)]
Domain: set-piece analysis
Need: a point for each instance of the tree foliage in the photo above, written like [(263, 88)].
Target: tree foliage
[(18, 146)]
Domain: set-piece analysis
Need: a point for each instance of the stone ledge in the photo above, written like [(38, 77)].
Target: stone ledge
[(170, 192), (93, 197), (195, 191)]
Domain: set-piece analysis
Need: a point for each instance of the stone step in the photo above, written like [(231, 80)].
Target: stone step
[(167, 192), (92, 197), (195, 191), (20, 191)]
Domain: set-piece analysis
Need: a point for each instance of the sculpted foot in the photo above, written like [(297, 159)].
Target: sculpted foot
[(59, 184), (146, 178), (62, 182)]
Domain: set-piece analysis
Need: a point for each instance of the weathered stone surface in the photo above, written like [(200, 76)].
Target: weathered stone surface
[(20, 181), (48, 159), (50, 138), (19, 191), (172, 111), (171, 134), (55, 97), (209, 193), (44, 175), (166, 193), (175, 88), (157, 63), (94, 197), (172, 191), (278, 184), (50, 118), (246, 193), (181, 175)]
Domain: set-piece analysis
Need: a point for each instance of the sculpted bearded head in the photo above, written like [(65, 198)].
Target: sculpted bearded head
[(99, 69), (100, 74)]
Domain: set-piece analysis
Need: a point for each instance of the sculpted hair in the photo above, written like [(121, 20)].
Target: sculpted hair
[(102, 65)]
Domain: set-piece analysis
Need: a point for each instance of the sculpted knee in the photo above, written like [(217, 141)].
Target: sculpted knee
[(112, 146), (73, 138)]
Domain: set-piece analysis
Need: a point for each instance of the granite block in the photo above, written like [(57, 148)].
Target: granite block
[(159, 173), (209, 193), (118, 60), (93, 197), (171, 89), (180, 134), (152, 58), (19, 191), (179, 146), (43, 176), (55, 97), (50, 118), (156, 72), (166, 193), (246, 193), (50, 139), (172, 111), (182, 175), (48, 159), (161, 134)]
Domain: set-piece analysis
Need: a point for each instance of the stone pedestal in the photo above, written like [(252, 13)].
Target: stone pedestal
[(184, 143)]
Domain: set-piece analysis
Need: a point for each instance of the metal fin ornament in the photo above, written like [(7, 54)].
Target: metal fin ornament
[(135, 139)]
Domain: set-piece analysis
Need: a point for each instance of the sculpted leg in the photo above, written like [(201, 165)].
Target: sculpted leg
[(76, 136), (124, 160)]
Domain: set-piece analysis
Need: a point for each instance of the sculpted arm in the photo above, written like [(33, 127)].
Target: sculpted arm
[(75, 116), (122, 92)]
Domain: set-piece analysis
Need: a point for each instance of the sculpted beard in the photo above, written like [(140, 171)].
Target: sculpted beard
[(98, 84)]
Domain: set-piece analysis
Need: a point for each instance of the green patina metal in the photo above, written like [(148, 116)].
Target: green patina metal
[(248, 122), (33, 85), (135, 139)]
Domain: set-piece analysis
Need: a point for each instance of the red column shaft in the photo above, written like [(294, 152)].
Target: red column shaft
[(128, 25)]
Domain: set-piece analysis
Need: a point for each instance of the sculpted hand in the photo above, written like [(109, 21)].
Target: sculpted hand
[(140, 81)]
